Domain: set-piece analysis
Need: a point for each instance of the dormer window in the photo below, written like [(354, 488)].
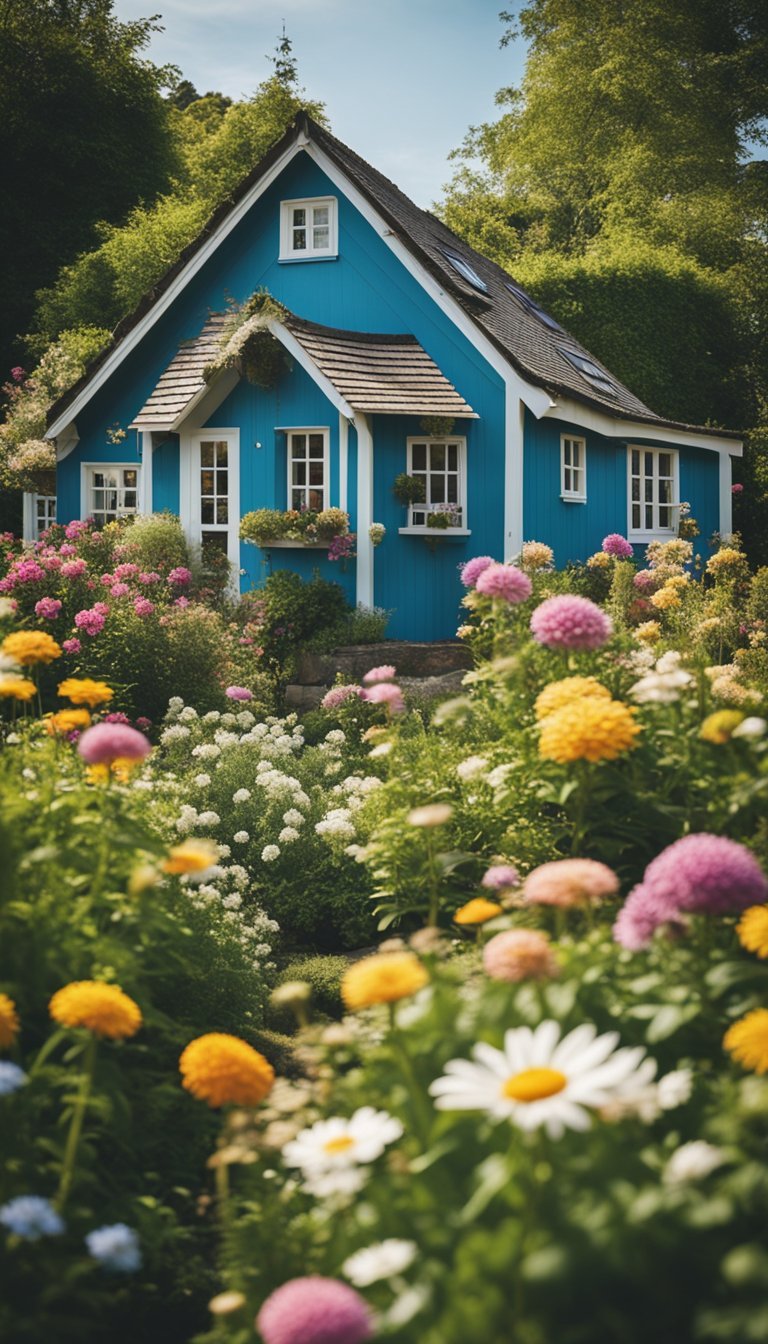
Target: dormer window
[(309, 229)]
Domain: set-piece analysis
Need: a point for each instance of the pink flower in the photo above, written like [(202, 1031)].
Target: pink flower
[(90, 620), (616, 545), (384, 673), (338, 694), (116, 717), (126, 570), (50, 560), (238, 693), (48, 608), (646, 581), (102, 608), (107, 580), (570, 622), (184, 602), (149, 578), (499, 876), (72, 569), (72, 646), (570, 882), (180, 576), (505, 581), (75, 529), (66, 548), (143, 607), (640, 916), (471, 571), (119, 589), (385, 694), (108, 742), (27, 571), (17, 374), (519, 954), (314, 1310), (143, 723), (737, 489)]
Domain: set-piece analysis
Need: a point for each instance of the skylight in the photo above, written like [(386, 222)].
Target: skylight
[(589, 371), (466, 271), (532, 306)]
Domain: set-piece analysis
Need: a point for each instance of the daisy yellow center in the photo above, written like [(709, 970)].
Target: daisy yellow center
[(533, 1084), (339, 1145)]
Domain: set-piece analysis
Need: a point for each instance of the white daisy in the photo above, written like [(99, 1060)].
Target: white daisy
[(539, 1079), (382, 1261), (344, 1182), (692, 1162), (331, 1144)]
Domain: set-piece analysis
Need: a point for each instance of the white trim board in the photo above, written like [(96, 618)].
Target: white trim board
[(611, 426), (189, 493)]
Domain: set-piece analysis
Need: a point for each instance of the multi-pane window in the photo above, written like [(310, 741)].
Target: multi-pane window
[(45, 513), (439, 465), (113, 492), (308, 229), (307, 469), (573, 468), (652, 482), (214, 484)]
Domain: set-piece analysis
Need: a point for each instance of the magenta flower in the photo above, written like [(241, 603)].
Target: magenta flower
[(73, 569), (143, 607), (66, 548), (504, 581), (126, 570), (27, 571), (102, 608), (72, 646), (499, 876), (617, 546), (143, 723), (639, 918), (90, 621), (48, 608), (471, 571), (17, 373), (338, 694), (180, 576), (314, 1310), (184, 602), (647, 581), (152, 577), (116, 717), (737, 489), (238, 693), (75, 529), (384, 693), (108, 742), (119, 590), (384, 673), (570, 622), (107, 580)]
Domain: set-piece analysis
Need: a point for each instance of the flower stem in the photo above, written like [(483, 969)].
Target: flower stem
[(422, 1121), (76, 1123)]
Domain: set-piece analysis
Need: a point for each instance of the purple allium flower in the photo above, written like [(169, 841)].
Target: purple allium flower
[(72, 646), (48, 608), (570, 622), (238, 693), (499, 876), (73, 569), (143, 607), (180, 576), (384, 673), (90, 620), (31, 1217), (639, 918), (385, 693), (505, 581), (471, 571), (338, 694), (616, 545), (115, 1247), (119, 590), (108, 742), (314, 1310)]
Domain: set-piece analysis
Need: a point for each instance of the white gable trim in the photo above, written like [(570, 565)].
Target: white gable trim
[(298, 352), (614, 427)]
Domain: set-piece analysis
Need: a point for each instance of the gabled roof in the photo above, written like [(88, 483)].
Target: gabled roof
[(183, 381), (534, 345)]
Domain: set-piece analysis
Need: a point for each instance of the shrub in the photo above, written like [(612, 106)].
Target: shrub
[(324, 974)]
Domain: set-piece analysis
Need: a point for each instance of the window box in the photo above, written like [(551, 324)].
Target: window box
[(286, 543), (436, 533), (309, 229)]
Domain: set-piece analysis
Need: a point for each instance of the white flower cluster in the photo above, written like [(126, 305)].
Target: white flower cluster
[(665, 684), (224, 887), (337, 824)]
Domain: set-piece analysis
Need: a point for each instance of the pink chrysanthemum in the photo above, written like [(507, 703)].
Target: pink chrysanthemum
[(471, 571), (90, 621), (338, 694), (180, 576), (520, 954), (314, 1310), (384, 673), (151, 577), (48, 608), (570, 882), (75, 529), (119, 590), (640, 916), (385, 693), (238, 693), (570, 622), (126, 570), (73, 569), (72, 646), (499, 876), (616, 545), (143, 607), (116, 717), (504, 581), (108, 742)]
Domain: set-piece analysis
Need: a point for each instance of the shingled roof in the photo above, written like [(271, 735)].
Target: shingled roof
[(183, 381), (533, 344)]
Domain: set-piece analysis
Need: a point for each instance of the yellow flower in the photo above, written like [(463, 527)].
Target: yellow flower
[(747, 1040), (67, 721), (600, 560), (192, 856), (31, 646), (85, 691), (16, 688), (477, 911), (223, 1070), (104, 1009), (726, 558), (588, 730), (648, 632), (536, 555), (752, 930), (383, 978), (666, 598), (9, 1021), (719, 726), (559, 693), (121, 769)]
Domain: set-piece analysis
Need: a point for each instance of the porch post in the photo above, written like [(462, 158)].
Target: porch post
[(146, 471), (364, 593), (726, 498)]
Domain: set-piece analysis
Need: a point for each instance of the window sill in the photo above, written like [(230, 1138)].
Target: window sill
[(458, 532), (642, 538), (574, 499), (320, 256), (286, 543)]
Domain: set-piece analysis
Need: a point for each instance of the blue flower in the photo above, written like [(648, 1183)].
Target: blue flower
[(115, 1247), (11, 1078), (31, 1217)]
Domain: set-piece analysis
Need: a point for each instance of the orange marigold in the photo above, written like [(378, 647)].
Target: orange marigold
[(477, 911), (191, 856), (31, 646), (9, 1021), (222, 1070), (67, 721), (17, 688), (383, 978), (104, 1009), (85, 691)]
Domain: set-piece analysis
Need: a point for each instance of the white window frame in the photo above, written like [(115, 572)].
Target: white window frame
[(86, 487), (310, 203), (656, 532), (421, 529), (190, 495), (571, 495), (32, 529), (326, 460)]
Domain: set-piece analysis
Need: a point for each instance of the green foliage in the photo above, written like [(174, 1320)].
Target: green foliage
[(409, 489), (154, 541), (324, 974), (288, 612), (306, 525)]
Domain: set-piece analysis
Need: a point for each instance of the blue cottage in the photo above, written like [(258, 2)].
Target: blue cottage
[(405, 352)]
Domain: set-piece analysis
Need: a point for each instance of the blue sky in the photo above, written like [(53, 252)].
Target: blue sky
[(402, 80)]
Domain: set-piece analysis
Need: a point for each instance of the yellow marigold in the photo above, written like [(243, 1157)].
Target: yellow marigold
[(31, 646), (192, 856), (559, 693), (648, 632), (383, 978), (17, 688), (67, 721), (588, 730), (477, 911), (665, 599), (752, 929), (225, 1071), (104, 1009), (120, 769), (600, 560), (85, 691), (9, 1021), (726, 558), (747, 1040), (536, 555), (719, 726)]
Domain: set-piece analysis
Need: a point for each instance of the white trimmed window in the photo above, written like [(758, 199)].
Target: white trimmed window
[(45, 513), (111, 492), (214, 489), (309, 229), (653, 491), (573, 469), (440, 464), (308, 469)]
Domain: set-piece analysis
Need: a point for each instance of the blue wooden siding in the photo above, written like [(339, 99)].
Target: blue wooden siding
[(165, 476)]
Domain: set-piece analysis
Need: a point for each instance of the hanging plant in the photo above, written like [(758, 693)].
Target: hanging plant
[(436, 426), (248, 345), (409, 489)]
